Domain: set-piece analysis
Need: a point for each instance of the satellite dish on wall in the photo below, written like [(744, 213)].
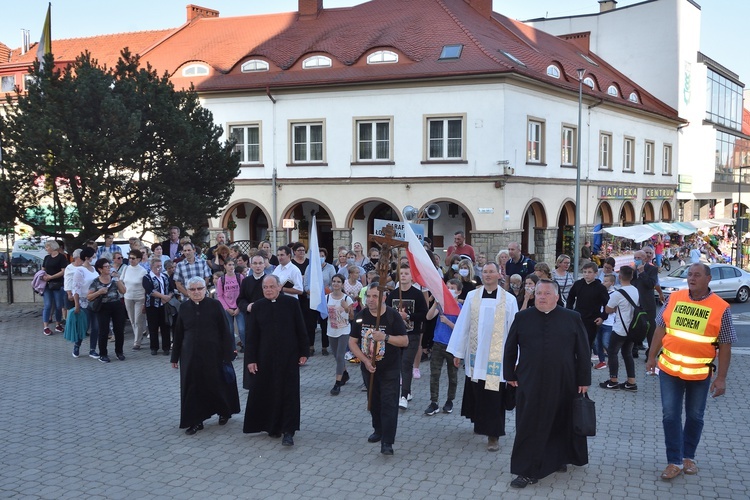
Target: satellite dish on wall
[(409, 212), (433, 211)]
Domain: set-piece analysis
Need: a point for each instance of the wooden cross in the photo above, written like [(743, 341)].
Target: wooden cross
[(387, 243)]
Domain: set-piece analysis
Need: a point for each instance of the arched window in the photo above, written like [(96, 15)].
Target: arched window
[(316, 62), (382, 57), (553, 71), (633, 97), (590, 82), (612, 90), (195, 70), (254, 65)]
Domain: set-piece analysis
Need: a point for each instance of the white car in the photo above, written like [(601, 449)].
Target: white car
[(727, 281)]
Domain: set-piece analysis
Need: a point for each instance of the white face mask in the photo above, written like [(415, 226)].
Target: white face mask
[(529, 289), (454, 267), (454, 293), (463, 272)]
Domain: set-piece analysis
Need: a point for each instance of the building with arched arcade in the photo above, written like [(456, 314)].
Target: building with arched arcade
[(352, 114)]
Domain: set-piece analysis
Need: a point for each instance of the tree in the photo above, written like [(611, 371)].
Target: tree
[(95, 149)]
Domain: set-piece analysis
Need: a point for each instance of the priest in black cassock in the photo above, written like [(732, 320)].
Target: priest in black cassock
[(202, 343), (277, 346), (551, 347)]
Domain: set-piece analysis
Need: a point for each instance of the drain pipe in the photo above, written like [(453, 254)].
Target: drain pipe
[(274, 187)]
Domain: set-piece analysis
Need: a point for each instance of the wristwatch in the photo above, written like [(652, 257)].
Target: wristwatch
[(387, 337)]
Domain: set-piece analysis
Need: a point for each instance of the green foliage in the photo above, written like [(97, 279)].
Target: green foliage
[(118, 145)]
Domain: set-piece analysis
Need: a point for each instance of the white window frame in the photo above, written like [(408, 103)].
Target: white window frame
[(572, 132), (195, 69), (612, 90), (648, 161), (245, 145), (605, 151), (633, 97), (553, 71), (307, 125), (374, 141), (254, 65), (588, 81), (315, 62), (5, 79), (667, 160), (445, 139), (628, 154), (535, 134), (382, 57)]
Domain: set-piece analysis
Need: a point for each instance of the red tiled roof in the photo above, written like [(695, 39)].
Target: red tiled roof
[(415, 29)]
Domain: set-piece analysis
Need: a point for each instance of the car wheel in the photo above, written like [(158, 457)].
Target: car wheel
[(743, 294)]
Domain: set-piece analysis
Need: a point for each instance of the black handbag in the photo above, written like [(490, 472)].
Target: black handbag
[(584, 416), (510, 397), (228, 373)]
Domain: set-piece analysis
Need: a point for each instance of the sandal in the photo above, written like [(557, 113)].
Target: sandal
[(689, 467), (671, 472)]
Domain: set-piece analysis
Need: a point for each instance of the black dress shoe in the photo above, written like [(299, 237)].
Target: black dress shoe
[(288, 439), (522, 482), (374, 437), (154, 352), (344, 377), (223, 420), (275, 435), (563, 468), (193, 429), (386, 448)]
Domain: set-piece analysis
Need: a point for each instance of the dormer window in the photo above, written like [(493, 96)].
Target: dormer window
[(451, 52), (315, 62), (195, 70), (254, 65), (553, 71), (511, 57), (612, 90), (382, 57), (589, 60), (590, 82), (633, 97)]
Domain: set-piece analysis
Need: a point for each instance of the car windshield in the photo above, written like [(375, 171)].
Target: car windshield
[(680, 272)]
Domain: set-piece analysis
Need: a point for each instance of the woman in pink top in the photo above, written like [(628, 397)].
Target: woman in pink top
[(227, 291)]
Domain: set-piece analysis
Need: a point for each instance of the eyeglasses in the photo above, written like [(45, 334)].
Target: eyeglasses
[(197, 289), (132, 258), (119, 257)]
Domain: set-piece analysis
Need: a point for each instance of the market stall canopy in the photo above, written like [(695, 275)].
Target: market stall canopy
[(643, 232)]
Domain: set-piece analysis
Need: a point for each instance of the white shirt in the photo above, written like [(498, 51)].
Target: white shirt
[(132, 278), (618, 300), (289, 272)]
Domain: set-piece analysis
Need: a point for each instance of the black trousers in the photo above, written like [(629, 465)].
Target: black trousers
[(407, 363), (384, 410), (115, 312), (157, 323)]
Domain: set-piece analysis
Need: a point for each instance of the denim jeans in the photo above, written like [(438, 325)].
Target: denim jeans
[(93, 327), (240, 327), (601, 345), (56, 299), (681, 442), (619, 343)]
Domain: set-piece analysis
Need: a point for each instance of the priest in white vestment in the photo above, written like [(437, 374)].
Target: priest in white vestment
[(479, 339)]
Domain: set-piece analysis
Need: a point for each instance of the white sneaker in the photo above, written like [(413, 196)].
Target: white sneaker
[(403, 404), (409, 397)]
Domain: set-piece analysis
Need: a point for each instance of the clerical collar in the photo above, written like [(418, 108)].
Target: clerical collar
[(486, 294)]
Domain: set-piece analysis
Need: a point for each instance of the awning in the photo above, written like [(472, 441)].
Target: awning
[(643, 232)]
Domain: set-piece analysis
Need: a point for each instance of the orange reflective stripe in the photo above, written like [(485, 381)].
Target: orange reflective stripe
[(692, 337), (682, 369), (687, 359)]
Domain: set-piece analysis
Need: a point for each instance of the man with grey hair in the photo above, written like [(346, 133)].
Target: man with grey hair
[(276, 347), (203, 348)]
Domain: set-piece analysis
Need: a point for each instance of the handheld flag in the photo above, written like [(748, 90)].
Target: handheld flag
[(317, 290), (423, 272)]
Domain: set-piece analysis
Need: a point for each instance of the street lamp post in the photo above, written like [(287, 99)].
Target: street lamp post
[(577, 226)]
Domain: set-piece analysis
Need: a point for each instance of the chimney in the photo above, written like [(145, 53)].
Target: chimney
[(484, 7), (607, 5), (310, 8), (25, 41), (196, 12)]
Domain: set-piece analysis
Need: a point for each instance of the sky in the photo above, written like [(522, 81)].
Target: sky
[(720, 40)]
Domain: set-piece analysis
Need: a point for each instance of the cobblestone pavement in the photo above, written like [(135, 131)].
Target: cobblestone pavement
[(76, 428)]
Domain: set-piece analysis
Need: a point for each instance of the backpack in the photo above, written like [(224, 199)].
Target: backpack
[(639, 324), (238, 276)]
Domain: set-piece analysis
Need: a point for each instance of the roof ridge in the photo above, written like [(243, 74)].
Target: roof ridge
[(469, 34)]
